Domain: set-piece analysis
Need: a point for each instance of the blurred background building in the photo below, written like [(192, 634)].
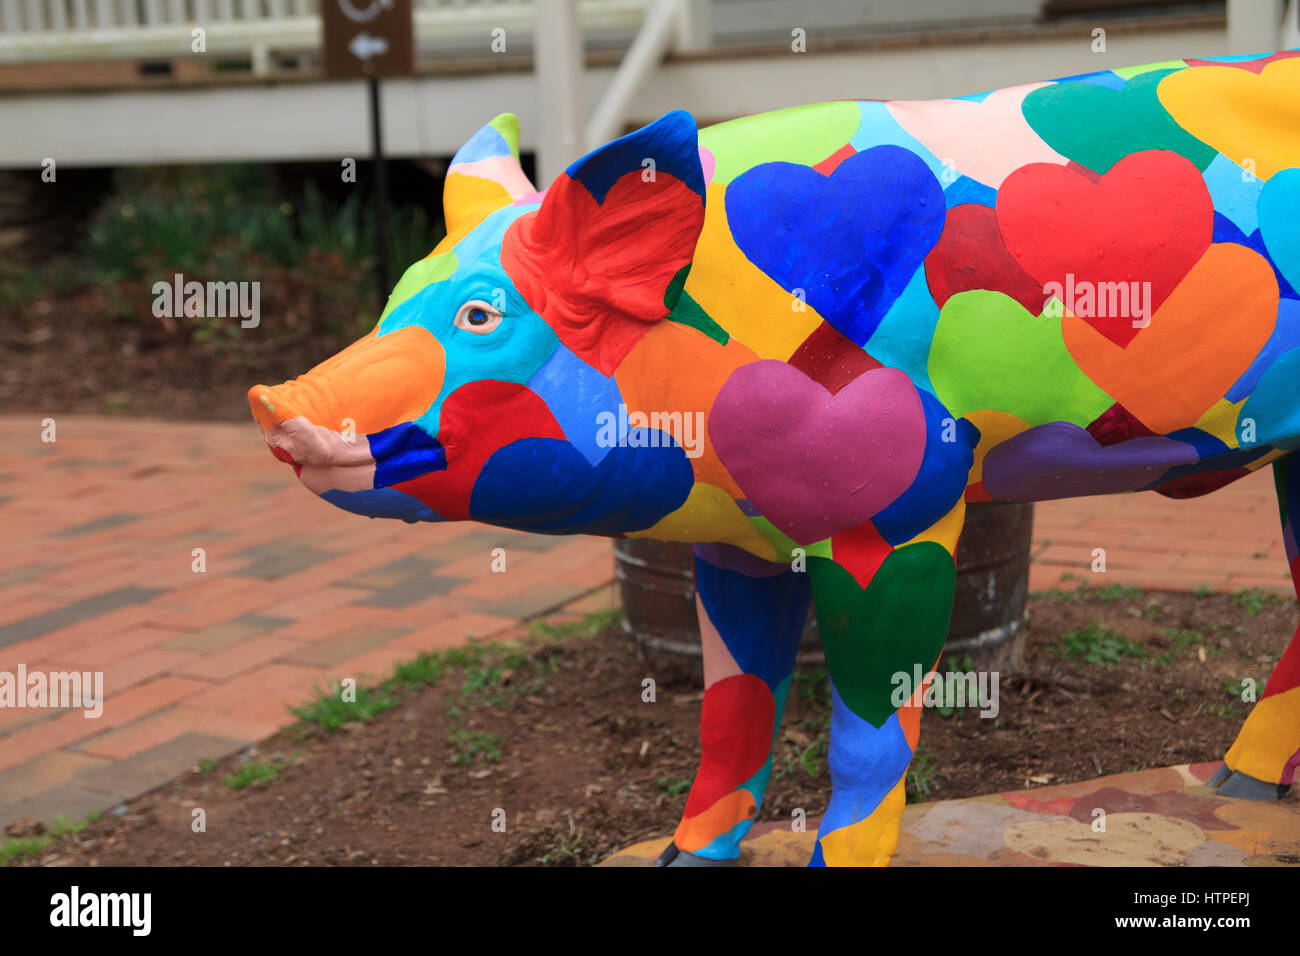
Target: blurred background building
[(109, 82)]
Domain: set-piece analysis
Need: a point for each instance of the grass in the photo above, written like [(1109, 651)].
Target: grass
[(571, 848), (673, 786), (17, 849), (920, 778), (1182, 639), (251, 773), (1097, 645), (471, 744), (1106, 594), (589, 626), (1253, 600), (330, 710)]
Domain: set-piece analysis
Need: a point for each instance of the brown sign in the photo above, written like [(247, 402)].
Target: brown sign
[(368, 38)]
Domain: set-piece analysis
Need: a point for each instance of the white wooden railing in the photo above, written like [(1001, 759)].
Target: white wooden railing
[(44, 30)]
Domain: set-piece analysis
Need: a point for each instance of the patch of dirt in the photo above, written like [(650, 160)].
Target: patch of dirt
[(586, 767)]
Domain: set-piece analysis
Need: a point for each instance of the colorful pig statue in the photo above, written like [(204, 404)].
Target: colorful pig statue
[(804, 340)]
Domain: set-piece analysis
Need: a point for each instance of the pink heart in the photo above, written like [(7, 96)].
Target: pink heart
[(814, 463), (984, 140)]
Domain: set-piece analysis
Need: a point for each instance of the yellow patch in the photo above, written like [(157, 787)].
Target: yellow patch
[(466, 202), (1268, 738), (871, 841), (741, 297), (995, 428), (946, 530), (710, 514), (1244, 115)]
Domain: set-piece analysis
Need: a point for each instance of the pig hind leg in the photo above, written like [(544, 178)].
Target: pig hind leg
[(752, 615), (1262, 762)]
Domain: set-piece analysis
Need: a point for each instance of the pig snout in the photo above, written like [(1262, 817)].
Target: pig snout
[(320, 422)]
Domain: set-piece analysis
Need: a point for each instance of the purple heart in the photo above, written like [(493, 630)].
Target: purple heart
[(1060, 460), (851, 241), (814, 463)]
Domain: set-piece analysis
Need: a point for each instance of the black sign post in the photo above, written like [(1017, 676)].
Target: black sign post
[(371, 39)]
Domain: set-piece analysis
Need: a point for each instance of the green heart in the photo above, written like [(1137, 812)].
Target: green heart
[(898, 622), (989, 352), (1097, 127)]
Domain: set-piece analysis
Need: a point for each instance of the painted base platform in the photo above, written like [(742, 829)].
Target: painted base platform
[(1163, 817)]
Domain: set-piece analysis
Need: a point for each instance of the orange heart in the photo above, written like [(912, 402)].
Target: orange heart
[(1200, 341)]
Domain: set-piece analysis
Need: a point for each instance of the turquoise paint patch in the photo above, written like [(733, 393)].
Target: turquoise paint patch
[(1274, 405), (1234, 197), (1279, 211), (902, 340), (514, 352), (877, 127)]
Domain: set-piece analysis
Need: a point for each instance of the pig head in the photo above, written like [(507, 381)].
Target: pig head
[(480, 392)]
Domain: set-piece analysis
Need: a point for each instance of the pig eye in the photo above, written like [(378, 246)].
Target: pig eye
[(477, 317)]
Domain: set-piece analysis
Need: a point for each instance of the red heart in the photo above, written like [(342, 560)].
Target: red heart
[(970, 254), (1149, 219)]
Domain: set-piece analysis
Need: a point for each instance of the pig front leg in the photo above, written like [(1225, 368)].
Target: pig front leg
[(883, 614), (1262, 762), (752, 615)]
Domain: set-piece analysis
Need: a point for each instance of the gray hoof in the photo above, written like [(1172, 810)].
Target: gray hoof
[(1234, 783), (671, 856)]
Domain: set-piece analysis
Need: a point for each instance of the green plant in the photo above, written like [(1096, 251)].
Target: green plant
[(673, 786), (920, 778), (473, 743), (1110, 593), (1253, 600), (570, 848), (330, 710), (588, 626), (1098, 645), (16, 849), (251, 773)]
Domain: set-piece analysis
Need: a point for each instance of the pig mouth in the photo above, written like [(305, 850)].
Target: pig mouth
[(323, 459)]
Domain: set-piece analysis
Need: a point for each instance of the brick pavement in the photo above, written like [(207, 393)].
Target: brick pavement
[(98, 533), (97, 539)]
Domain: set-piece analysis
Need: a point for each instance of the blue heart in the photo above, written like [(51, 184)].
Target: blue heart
[(544, 484), (851, 241), (1279, 207)]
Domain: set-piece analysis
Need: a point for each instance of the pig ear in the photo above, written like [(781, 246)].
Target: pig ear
[(598, 259), (484, 175)]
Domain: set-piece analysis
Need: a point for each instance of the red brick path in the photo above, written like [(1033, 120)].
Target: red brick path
[(99, 531)]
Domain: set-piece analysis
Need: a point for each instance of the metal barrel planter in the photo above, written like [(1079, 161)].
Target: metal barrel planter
[(657, 585)]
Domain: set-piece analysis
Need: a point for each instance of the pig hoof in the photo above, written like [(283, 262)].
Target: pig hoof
[(1234, 783), (671, 856)]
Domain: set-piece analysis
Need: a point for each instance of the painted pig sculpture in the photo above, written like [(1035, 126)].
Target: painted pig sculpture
[(828, 328)]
